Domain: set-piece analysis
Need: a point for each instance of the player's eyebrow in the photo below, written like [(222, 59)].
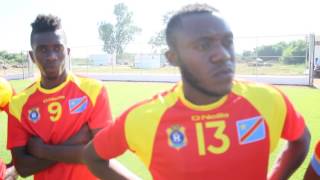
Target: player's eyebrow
[(213, 36)]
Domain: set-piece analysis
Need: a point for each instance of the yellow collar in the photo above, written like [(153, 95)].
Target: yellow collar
[(207, 107), (55, 89)]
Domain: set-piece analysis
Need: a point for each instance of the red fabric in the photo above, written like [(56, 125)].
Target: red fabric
[(294, 123), (317, 150), (113, 136)]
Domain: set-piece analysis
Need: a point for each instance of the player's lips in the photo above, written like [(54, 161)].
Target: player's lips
[(224, 72), (51, 68), (51, 65)]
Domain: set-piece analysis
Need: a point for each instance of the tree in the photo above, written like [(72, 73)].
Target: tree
[(158, 41), (11, 58), (247, 55), (271, 52), (295, 53), (116, 37)]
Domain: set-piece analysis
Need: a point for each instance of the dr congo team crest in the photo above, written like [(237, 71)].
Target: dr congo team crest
[(34, 115), (177, 136)]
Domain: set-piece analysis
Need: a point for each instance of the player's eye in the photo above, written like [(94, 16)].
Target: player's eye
[(204, 45), (42, 49), (228, 42), (59, 48)]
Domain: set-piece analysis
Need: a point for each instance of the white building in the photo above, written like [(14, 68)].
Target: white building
[(147, 61), (102, 59)]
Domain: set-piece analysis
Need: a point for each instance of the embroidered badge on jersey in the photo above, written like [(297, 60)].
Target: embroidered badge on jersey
[(78, 105), (251, 130), (34, 115), (177, 137)]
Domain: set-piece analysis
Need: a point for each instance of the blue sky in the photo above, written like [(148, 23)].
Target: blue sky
[(80, 19)]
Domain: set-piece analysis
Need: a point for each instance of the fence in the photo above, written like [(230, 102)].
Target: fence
[(255, 57)]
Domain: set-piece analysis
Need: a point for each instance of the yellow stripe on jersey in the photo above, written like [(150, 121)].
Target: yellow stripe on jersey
[(91, 87), (55, 89), (260, 96), (199, 107), (141, 125), (18, 101), (5, 92)]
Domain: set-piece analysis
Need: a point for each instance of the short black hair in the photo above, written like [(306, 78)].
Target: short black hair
[(175, 21), (45, 23)]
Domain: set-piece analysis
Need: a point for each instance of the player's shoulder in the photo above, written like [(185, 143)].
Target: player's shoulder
[(154, 104), (83, 81), (249, 88), (19, 100), (25, 93)]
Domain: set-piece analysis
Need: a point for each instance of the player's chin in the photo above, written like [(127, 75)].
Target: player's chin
[(222, 89), (52, 75), (225, 90)]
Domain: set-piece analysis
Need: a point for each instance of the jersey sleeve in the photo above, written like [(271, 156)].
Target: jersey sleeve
[(17, 135), (317, 150), (111, 142), (101, 114), (294, 123)]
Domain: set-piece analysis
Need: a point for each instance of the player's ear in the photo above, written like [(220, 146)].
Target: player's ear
[(31, 56), (172, 57)]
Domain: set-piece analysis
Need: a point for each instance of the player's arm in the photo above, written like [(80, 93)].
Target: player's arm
[(313, 170), (311, 174), (26, 158), (110, 142), (291, 157), (27, 164), (68, 152), (105, 169)]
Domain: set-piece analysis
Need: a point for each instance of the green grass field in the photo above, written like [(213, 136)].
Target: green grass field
[(123, 94)]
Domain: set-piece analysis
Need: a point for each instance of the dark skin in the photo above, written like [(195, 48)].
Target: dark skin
[(49, 53), (68, 152), (291, 157), (27, 161), (311, 174), (105, 169), (203, 50)]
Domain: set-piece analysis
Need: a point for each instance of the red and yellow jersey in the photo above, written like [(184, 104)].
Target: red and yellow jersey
[(6, 93), (315, 162), (55, 115), (229, 139)]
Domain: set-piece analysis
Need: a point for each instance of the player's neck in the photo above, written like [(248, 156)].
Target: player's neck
[(197, 97), (47, 83)]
